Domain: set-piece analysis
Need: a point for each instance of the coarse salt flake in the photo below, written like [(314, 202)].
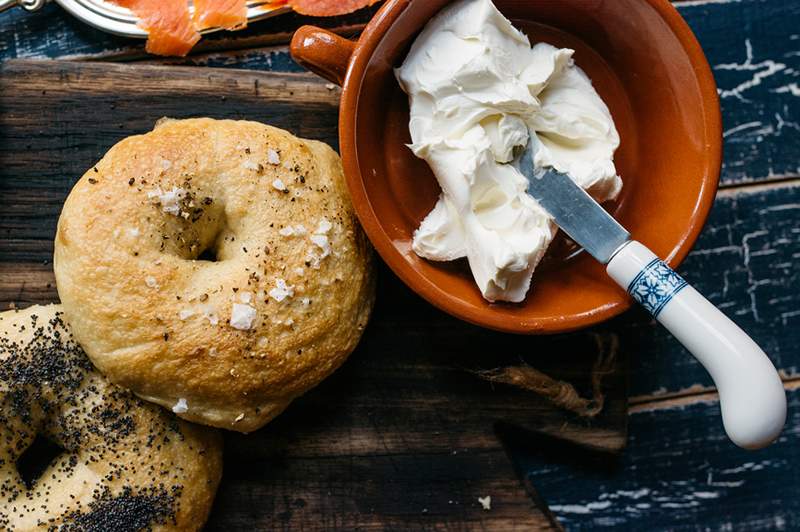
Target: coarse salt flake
[(299, 271), (180, 407), (306, 301), (239, 418), (278, 184), (165, 164), (246, 297), (211, 316), (170, 201), (281, 291), (133, 231), (186, 313), (323, 227), (242, 316), (322, 242), (287, 231), (486, 502), (151, 282), (249, 165), (273, 157)]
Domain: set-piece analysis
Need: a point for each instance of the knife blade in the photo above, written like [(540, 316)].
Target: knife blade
[(752, 398), (574, 211)]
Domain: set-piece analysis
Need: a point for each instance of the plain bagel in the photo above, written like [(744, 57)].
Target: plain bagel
[(124, 464), (215, 267)]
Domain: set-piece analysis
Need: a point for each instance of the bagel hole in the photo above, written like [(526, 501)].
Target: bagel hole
[(212, 239), (208, 255), (37, 458)]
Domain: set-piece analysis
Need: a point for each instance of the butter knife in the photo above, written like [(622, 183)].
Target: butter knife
[(751, 394)]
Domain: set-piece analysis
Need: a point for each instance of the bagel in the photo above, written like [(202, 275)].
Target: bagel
[(125, 464), (215, 267)]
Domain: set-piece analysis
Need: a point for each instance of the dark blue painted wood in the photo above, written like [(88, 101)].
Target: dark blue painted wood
[(752, 45), (53, 33), (679, 472), (754, 49), (747, 262)]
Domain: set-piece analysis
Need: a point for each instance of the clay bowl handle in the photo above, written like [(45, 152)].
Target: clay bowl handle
[(322, 52)]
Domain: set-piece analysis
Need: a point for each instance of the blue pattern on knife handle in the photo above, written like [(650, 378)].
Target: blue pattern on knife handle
[(655, 286)]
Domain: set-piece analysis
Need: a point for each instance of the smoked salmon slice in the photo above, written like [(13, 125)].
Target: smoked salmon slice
[(228, 14), (328, 8), (169, 27), (173, 31)]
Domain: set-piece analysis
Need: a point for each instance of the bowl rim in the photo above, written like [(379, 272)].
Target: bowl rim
[(362, 54)]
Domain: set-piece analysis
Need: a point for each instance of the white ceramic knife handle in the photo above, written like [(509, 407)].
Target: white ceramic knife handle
[(751, 394)]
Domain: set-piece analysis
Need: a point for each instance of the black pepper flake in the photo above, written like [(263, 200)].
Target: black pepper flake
[(166, 336), (131, 181), (95, 170), (92, 181)]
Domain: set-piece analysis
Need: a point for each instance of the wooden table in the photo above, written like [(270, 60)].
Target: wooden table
[(678, 470)]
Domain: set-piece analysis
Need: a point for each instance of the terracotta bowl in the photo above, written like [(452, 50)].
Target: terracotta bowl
[(645, 63)]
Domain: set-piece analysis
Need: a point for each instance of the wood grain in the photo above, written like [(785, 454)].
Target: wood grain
[(402, 436), (679, 472), (746, 262), (677, 447), (752, 46), (745, 259)]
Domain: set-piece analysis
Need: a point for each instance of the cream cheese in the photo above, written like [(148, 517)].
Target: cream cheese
[(476, 88)]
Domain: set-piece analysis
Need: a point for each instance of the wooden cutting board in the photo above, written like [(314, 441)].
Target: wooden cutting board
[(403, 435)]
